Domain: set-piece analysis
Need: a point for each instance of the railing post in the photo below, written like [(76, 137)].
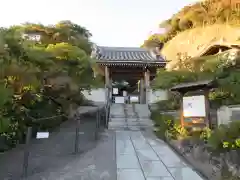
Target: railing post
[(26, 152), (76, 147), (106, 122), (97, 125)]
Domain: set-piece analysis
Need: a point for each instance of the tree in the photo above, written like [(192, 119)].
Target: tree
[(222, 67), (201, 13), (39, 79)]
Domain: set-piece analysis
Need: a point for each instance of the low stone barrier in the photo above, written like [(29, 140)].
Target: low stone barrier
[(209, 165), (74, 114)]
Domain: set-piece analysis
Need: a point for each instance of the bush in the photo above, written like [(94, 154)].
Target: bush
[(168, 126), (225, 137), (172, 103), (167, 105)]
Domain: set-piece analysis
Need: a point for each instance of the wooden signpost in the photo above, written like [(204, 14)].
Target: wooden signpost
[(195, 109)]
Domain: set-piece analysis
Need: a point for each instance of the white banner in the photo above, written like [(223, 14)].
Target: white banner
[(194, 106), (119, 100), (115, 90), (134, 99)]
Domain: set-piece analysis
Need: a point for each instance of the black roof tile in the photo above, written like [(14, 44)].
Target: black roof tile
[(126, 54), (192, 85)]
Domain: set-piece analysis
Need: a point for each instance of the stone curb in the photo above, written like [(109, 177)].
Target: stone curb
[(176, 150)]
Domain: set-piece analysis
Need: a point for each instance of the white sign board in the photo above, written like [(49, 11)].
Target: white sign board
[(124, 93), (194, 106), (119, 100), (42, 135), (134, 99), (115, 90)]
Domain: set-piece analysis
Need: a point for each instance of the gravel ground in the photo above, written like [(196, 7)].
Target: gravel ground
[(52, 154)]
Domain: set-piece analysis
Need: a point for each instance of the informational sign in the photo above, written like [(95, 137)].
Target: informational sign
[(115, 90), (119, 100), (194, 106), (124, 93), (42, 135), (134, 99), (194, 120)]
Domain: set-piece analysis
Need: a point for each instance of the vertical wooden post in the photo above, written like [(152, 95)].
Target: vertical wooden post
[(147, 85), (106, 82), (181, 110), (141, 91), (207, 107), (26, 152), (76, 145), (110, 90)]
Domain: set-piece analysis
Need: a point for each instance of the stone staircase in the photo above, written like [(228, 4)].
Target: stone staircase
[(133, 117)]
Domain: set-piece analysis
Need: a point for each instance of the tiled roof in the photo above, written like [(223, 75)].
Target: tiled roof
[(126, 55), (184, 86)]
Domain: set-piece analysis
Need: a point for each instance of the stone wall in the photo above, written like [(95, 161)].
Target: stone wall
[(158, 95), (95, 95), (226, 114)]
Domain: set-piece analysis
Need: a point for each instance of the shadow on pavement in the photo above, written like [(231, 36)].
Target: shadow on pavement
[(51, 153)]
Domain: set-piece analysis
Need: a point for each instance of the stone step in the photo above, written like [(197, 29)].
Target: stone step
[(130, 128), (130, 125)]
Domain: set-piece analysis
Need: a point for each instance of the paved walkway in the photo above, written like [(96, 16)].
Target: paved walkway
[(140, 155), (127, 151)]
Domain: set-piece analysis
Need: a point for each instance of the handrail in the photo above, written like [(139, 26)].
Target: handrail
[(107, 108)]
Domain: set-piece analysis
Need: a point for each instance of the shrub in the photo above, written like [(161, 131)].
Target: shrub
[(179, 131), (225, 137), (162, 122), (168, 126), (172, 103), (167, 105)]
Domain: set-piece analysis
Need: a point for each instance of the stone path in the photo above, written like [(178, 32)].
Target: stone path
[(127, 151), (140, 155)]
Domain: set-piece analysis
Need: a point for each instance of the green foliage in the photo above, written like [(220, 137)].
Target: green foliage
[(172, 103), (41, 79), (120, 84), (168, 79), (222, 67), (201, 13), (205, 133), (168, 126), (226, 137)]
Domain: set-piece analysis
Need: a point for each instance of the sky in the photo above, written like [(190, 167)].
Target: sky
[(112, 22)]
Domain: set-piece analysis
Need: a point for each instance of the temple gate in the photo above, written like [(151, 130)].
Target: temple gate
[(134, 65)]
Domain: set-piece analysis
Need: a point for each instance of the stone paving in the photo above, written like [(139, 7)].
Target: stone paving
[(128, 151), (141, 156), (126, 117)]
